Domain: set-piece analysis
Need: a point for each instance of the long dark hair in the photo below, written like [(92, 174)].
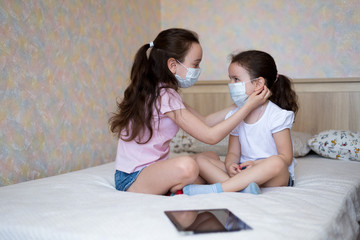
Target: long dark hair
[(148, 76), (262, 64)]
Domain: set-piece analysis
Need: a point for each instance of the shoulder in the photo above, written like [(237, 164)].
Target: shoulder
[(274, 107), (167, 90), (279, 118), (276, 110), (169, 94), (235, 131), (170, 99)]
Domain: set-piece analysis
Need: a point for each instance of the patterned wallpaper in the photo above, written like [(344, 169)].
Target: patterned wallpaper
[(62, 65), (308, 39)]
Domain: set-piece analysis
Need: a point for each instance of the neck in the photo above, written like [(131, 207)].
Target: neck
[(256, 114)]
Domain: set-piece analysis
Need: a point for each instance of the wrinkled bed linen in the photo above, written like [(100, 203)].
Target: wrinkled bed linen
[(324, 204)]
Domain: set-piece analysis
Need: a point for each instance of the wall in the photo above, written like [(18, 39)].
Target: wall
[(62, 65), (308, 39)]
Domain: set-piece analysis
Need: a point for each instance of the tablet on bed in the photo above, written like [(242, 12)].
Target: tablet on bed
[(206, 221)]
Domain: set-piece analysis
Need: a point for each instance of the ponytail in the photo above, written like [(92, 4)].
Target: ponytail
[(140, 66), (149, 74), (283, 95), (128, 117)]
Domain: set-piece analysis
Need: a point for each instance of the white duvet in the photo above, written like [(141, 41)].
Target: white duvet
[(324, 204)]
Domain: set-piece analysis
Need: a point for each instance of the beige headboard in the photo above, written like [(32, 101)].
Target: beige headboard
[(332, 103)]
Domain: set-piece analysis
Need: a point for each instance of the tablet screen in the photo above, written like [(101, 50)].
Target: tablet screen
[(206, 221)]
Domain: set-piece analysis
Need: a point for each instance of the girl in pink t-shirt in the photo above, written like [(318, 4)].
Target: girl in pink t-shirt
[(152, 111)]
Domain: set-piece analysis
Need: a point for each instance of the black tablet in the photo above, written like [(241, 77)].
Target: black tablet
[(206, 221)]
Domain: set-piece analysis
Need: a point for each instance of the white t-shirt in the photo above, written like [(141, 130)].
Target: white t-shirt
[(257, 140)]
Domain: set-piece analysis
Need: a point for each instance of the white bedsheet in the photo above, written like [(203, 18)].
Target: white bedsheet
[(324, 204)]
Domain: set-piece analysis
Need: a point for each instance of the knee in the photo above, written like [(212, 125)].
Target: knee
[(276, 165), (212, 155), (205, 156), (201, 159), (188, 168)]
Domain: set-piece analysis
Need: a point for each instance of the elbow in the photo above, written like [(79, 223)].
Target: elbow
[(208, 122), (207, 138), (287, 159), (213, 140)]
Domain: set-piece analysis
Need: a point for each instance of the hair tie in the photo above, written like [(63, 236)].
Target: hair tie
[(151, 44), (277, 76)]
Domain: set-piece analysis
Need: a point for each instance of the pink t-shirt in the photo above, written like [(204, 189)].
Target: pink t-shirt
[(132, 157)]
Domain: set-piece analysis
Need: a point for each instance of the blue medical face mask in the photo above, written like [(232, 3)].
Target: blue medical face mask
[(238, 92), (191, 77)]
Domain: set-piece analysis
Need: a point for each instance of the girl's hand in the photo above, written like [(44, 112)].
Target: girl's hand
[(258, 97), (232, 169), (246, 165)]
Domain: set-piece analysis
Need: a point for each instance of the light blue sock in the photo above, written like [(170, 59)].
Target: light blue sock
[(194, 189), (252, 188)]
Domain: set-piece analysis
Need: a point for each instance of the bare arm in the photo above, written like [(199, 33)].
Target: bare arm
[(284, 145), (232, 159), (213, 118), (193, 125)]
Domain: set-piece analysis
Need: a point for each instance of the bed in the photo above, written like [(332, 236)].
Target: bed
[(323, 204)]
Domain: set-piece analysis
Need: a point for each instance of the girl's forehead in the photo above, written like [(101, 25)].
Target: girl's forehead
[(235, 68), (194, 53)]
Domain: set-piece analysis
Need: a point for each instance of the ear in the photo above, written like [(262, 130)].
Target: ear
[(171, 62), (260, 82)]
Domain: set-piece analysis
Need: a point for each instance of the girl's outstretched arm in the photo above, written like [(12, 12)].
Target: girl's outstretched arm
[(213, 118), (193, 125)]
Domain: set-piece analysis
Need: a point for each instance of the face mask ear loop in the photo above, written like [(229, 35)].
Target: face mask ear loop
[(187, 70), (254, 79), (182, 64)]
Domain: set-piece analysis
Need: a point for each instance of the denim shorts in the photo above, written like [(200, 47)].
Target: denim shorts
[(124, 180)]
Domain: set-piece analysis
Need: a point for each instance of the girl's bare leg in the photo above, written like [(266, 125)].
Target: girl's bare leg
[(212, 169), (172, 174), (204, 155), (270, 172)]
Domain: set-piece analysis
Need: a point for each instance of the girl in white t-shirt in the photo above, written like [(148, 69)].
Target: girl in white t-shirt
[(152, 111), (260, 151)]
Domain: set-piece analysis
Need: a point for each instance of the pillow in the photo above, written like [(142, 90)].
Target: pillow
[(300, 146), (337, 144), (183, 142)]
